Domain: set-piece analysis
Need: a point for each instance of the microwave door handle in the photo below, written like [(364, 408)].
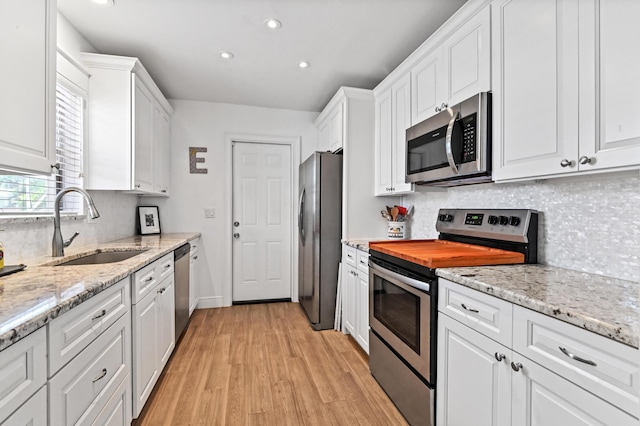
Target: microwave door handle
[(452, 122)]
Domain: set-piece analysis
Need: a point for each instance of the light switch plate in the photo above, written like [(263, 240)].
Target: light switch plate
[(209, 212)]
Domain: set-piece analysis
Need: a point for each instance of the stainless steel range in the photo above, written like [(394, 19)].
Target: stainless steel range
[(403, 295)]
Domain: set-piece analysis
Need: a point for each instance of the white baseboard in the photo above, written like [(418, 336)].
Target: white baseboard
[(210, 302)]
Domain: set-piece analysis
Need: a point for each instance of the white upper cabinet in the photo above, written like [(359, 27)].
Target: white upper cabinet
[(609, 84), (566, 100), (393, 118), (128, 127), (27, 83), (331, 128), (455, 69)]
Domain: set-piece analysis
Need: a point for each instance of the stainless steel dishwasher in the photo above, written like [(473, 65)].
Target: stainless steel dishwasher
[(181, 259)]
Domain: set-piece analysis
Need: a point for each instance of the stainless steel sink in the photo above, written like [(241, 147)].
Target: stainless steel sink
[(103, 257)]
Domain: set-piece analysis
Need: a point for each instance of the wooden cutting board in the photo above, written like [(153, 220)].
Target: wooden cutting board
[(446, 254)]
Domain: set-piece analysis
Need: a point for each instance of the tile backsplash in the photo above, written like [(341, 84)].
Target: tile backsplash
[(30, 238), (590, 225)]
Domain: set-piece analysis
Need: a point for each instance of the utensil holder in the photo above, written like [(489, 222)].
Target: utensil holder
[(398, 231)]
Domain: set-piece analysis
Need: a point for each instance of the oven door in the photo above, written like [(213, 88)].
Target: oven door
[(400, 313)]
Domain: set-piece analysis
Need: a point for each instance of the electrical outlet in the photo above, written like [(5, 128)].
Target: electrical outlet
[(209, 212)]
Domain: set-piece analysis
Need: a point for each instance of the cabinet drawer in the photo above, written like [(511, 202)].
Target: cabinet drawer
[(117, 412), (23, 370), (143, 281), (486, 314), (195, 245), (164, 266), (349, 255), (615, 376), (80, 391), (32, 413), (73, 331), (363, 261)]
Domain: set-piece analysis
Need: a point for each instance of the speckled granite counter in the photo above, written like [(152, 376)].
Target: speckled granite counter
[(605, 306), (33, 297), (360, 244)]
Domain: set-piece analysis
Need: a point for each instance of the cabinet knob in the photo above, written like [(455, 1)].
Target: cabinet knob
[(137, 185), (566, 163), (443, 106), (516, 366), (236, 235), (437, 109), (499, 356), (164, 191), (585, 160)]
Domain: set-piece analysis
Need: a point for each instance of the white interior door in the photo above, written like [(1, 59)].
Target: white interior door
[(262, 217)]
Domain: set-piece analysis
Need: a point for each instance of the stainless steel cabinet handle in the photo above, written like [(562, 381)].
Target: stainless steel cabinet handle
[(162, 290), (164, 191), (566, 163), (516, 366), (100, 315), (499, 356), (475, 311), (104, 373), (137, 185), (195, 257), (149, 279), (167, 266), (575, 357), (585, 160), (443, 106), (437, 109), (236, 235)]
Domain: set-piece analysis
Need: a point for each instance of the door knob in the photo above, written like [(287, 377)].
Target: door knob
[(236, 235), (236, 224)]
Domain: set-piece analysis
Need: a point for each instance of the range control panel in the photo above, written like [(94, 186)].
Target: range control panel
[(496, 224)]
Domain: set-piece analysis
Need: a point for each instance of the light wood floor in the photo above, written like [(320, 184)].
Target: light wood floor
[(264, 365)]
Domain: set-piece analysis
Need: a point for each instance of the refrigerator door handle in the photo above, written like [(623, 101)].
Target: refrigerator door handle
[(301, 214)]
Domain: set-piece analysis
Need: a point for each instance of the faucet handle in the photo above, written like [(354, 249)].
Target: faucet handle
[(70, 240)]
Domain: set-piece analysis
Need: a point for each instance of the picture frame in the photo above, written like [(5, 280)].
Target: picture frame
[(148, 220)]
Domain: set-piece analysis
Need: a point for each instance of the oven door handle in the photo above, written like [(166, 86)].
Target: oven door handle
[(448, 147), (420, 285)]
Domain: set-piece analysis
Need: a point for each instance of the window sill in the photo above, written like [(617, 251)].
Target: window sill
[(39, 219)]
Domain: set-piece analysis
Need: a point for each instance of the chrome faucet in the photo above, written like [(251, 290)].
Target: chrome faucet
[(58, 243)]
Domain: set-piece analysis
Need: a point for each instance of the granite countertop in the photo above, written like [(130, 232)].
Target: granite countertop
[(360, 243), (31, 298), (606, 306)]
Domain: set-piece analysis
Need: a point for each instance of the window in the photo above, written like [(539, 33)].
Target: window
[(21, 194)]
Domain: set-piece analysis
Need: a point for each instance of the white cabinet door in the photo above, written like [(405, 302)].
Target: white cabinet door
[(324, 137), (167, 329), (143, 136), (535, 88), (474, 377), (383, 144), (362, 322), (27, 84), (609, 85), (427, 89), (400, 122), (541, 397), (467, 58), (349, 286), (162, 151), (146, 341), (32, 413)]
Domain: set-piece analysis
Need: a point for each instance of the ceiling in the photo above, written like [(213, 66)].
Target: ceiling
[(353, 43)]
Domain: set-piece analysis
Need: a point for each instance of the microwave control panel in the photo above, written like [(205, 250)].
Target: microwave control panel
[(468, 138)]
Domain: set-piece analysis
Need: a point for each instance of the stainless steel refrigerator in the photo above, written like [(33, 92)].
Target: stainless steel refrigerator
[(320, 230)]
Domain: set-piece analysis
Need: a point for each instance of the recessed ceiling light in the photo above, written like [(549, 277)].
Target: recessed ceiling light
[(304, 64), (226, 55), (273, 24), (105, 2)]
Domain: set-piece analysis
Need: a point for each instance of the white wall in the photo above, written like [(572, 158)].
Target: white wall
[(25, 239), (589, 224), (205, 124)]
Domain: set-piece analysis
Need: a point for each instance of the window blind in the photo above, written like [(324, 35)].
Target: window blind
[(21, 194)]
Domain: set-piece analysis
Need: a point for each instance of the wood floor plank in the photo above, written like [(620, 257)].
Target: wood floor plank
[(264, 365)]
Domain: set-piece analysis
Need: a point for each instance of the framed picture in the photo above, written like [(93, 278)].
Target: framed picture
[(148, 220)]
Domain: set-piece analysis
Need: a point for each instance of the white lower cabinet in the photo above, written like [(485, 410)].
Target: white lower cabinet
[(23, 370), (355, 295), (194, 274), (79, 391), (153, 320), (483, 382), (32, 413)]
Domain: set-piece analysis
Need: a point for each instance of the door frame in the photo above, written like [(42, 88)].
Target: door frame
[(294, 144)]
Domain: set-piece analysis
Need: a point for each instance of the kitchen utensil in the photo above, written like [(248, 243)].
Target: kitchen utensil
[(385, 215), (394, 213)]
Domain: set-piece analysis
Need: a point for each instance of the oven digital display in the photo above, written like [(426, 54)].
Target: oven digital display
[(473, 219)]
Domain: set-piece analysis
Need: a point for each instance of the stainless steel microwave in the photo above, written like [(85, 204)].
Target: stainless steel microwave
[(454, 146)]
